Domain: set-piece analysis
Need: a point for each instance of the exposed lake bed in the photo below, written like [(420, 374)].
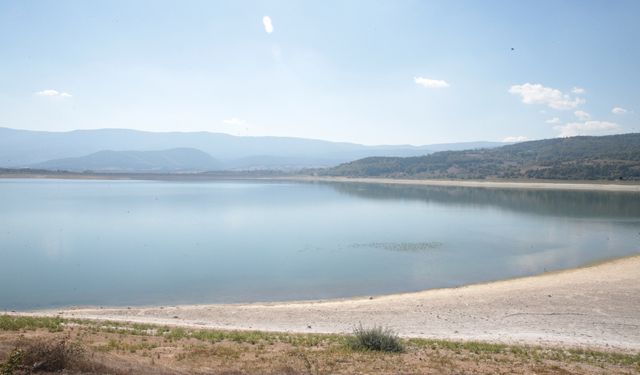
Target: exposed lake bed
[(590, 307)]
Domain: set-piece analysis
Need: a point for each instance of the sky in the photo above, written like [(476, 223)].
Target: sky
[(370, 72)]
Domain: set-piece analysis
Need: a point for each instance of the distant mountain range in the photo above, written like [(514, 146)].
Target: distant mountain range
[(578, 158), (166, 161), (122, 150)]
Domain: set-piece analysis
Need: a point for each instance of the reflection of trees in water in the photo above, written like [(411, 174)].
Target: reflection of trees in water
[(544, 202)]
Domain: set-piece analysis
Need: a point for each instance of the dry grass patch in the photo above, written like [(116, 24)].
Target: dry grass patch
[(119, 348)]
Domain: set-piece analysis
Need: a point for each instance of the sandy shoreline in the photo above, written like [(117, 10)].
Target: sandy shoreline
[(494, 184), (543, 185), (597, 306)]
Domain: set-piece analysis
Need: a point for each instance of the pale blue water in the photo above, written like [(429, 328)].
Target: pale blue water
[(68, 242)]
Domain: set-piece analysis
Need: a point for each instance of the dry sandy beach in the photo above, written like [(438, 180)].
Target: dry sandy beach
[(596, 306), (632, 186), (505, 184)]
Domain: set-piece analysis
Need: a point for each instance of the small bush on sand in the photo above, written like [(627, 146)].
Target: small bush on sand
[(40, 355), (52, 356), (375, 338), (12, 363)]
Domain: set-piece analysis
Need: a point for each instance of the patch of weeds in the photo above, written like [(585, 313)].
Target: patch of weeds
[(117, 345), (531, 352), (17, 323), (12, 364), (176, 334), (208, 336), (313, 340), (458, 346), (590, 356), (376, 339), (249, 337), (48, 356)]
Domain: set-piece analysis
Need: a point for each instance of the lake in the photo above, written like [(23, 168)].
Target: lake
[(83, 242)]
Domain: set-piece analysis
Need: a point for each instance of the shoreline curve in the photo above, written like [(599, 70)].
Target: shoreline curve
[(491, 184), (594, 306)]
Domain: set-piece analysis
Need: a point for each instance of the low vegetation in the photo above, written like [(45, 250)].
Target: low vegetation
[(376, 338), (17, 323), (47, 356), (41, 344), (615, 157)]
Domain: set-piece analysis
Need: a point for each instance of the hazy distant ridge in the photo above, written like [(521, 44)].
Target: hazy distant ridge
[(173, 160), (23, 148)]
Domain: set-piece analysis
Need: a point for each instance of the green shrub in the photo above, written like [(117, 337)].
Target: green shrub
[(51, 356), (16, 323), (13, 363), (375, 338)]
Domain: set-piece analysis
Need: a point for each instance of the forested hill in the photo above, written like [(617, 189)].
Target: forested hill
[(576, 158)]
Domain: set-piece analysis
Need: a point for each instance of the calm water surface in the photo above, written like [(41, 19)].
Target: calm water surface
[(147, 242)]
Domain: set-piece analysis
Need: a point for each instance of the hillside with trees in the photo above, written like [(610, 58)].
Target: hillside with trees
[(614, 157)]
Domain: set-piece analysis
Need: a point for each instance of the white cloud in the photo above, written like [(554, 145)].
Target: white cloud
[(268, 25), (587, 128), (431, 83), (582, 115), (578, 90), (538, 94), (619, 111), (53, 93), (48, 93), (234, 121), (519, 138), (554, 120)]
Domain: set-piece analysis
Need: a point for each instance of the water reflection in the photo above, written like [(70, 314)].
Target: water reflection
[(542, 202)]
